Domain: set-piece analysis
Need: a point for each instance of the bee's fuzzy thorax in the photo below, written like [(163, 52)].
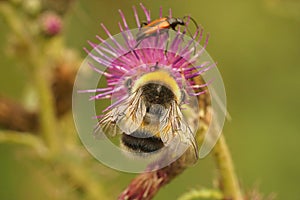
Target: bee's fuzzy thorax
[(160, 77)]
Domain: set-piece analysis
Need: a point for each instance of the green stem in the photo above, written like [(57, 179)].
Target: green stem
[(46, 104), (24, 139), (12, 20), (203, 194), (229, 181)]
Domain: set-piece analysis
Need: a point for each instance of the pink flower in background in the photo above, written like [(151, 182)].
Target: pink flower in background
[(51, 23)]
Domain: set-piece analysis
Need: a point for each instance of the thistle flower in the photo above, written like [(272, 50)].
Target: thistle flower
[(124, 58), (131, 60)]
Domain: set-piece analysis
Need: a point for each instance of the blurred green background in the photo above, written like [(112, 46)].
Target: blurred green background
[(257, 46)]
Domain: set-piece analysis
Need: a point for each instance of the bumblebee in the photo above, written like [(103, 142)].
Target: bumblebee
[(152, 117)]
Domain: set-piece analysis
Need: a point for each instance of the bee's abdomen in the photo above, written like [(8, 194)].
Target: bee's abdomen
[(146, 145)]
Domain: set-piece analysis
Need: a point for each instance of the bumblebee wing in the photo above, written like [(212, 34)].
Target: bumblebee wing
[(173, 126), (125, 118), (108, 124), (133, 114)]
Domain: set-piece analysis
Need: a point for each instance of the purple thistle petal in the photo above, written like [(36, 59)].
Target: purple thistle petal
[(191, 41), (188, 20), (112, 38), (201, 50), (122, 69), (202, 85), (197, 33), (115, 103), (199, 53), (130, 38), (198, 93), (99, 96), (112, 83), (170, 13), (125, 36), (201, 72), (119, 54), (186, 25), (201, 35), (138, 24), (110, 47), (108, 51), (95, 90), (105, 97), (175, 43), (147, 14), (183, 59), (124, 20), (99, 60), (160, 12), (149, 11), (196, 67), (99, 71), (95, 47)]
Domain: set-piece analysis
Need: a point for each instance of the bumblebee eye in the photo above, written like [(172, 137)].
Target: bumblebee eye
[(128, 83)]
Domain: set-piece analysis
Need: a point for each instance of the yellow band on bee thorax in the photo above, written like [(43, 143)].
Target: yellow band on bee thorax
[(162, 77)]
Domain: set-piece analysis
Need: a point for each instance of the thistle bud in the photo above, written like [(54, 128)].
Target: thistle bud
[(51, 24)]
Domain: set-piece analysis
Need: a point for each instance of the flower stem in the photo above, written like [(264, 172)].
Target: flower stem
[(229, 181), (202, 194), (47, 114), (12, 20), (24, 139)]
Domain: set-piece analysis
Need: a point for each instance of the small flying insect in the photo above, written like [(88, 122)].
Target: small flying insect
[(160, 26), (151, 117)]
